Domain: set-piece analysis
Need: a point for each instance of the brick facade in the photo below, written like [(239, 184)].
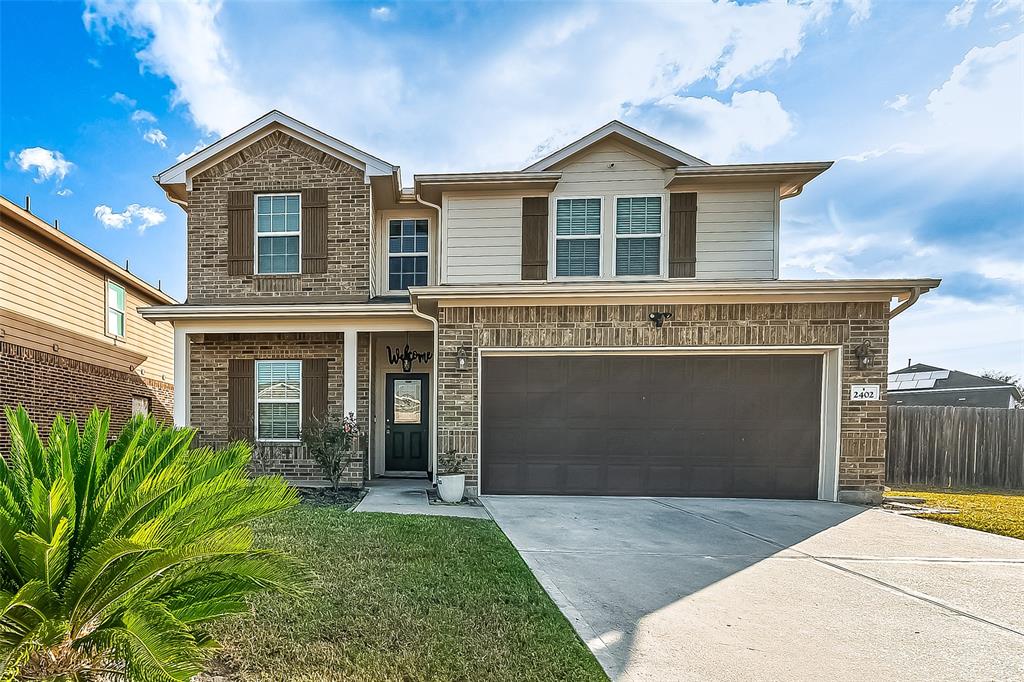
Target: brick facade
[(48, 384), (274, 163), (863, 425), (209, 393)]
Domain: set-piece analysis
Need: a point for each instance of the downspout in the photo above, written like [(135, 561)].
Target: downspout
[(433, 384), (915, 294)]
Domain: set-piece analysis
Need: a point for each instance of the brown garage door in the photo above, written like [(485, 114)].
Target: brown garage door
[(667, 425)]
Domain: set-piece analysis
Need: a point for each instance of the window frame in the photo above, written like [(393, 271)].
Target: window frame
[(555, 237), (387, 253), (258, 402), (662, 242), (257, 235), (107, 308)]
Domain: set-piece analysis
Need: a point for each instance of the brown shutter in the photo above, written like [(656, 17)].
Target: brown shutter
[(314, 389), (314, 230), (682, 235), (240, 232), (535, 238), (241, 399)]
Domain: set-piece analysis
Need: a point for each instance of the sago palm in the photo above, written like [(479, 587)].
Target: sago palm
[(113, 557)]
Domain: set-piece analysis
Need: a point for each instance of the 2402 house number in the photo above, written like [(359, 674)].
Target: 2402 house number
[(865, 392)]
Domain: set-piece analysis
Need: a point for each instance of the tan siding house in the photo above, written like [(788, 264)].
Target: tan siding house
[(607, 321), (70, 331)]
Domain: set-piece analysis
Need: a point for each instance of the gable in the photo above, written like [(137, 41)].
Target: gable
[(610, 166), (666, 155), (283, 144)]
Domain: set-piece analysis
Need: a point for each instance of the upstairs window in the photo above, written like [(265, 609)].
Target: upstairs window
[(278, 225), (278, 399), (408, 244), (115, 309), (637, 236), (578, 237)]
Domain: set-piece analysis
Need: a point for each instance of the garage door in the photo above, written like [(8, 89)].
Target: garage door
[(663, 425)]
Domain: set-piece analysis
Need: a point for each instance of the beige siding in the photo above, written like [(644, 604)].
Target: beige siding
[(737, 228), (736, 234), (38, 282), (482, 238)]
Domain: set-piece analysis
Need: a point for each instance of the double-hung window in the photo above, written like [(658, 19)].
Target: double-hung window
[(578, 237), (278, 225), (637, 236), (115, 309), (408, 245), (278, 399)]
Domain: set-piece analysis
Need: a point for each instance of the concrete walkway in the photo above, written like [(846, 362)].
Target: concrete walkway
[(695, 589), (409, 496)]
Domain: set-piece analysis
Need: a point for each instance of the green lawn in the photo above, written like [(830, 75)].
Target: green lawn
[(401, 598), (994, 511)]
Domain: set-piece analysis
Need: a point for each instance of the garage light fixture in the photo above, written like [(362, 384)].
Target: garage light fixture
[(462, 359), (865, 355), (658, 318)]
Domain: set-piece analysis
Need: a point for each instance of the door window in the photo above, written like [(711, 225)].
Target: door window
[(407, 401)]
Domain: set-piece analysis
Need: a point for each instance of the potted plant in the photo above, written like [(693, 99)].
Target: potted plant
[(451, 479)]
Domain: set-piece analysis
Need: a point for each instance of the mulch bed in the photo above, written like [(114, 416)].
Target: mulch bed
[(328, 497)]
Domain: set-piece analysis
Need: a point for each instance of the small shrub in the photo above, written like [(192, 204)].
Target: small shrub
[(332, 443), (113, 559)]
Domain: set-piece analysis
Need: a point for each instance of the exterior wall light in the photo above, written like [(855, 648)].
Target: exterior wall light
[(865, 355), (658, 318), (462, 359)]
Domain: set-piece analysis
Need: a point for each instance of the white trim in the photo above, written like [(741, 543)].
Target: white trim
[(290, 233), (832, 381), (179, 173), (662, 238), (107, 308), (388, 291), (257, 402), (182, 376), (350, 379), (555, 237), (620, 128)]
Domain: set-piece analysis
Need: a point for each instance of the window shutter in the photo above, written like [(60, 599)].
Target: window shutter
[(241, 399), (314, 230), (240, 232), (535, 238), (314, 389), (682, 235)]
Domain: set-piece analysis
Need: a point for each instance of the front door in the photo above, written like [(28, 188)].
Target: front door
[(406, 431)]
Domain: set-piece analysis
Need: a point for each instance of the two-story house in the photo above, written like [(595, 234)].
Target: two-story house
[(71, 337), (609, 320)]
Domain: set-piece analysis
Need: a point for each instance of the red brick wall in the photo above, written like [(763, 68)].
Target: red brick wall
[(47, 384), (209, 393)]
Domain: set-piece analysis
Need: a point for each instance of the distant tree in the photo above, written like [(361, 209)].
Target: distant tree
[(1006, 378)]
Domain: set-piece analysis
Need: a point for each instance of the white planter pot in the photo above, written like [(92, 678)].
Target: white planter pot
[(450, 487)]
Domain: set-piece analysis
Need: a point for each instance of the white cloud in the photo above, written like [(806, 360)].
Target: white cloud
[(123, 99), (978, 109), (200, 146), (861, 10), (143, 116), (1001, 7), (897, 103), (960, 15), (64, 192), (46, 163), (134, 214), (720, 131), (155, 136), (899, 148), (584, 67), (94, 63), (382, 13)]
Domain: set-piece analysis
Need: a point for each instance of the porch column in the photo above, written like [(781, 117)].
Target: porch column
[(350, 380), (181, 377)]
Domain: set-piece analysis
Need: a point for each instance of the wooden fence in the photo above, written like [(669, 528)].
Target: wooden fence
[(959, 447)]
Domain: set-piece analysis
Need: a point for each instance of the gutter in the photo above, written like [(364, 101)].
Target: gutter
[(915, 293), (433, 384)]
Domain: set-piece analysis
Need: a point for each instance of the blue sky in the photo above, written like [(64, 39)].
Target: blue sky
[(921, 104)]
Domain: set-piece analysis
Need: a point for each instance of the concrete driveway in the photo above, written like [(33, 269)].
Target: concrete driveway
[(678, 589)]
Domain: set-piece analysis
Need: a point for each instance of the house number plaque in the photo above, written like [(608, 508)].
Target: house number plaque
[(865, 392)]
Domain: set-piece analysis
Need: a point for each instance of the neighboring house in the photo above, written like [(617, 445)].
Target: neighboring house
[(71, 336), (926, 385), (608, 320)]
